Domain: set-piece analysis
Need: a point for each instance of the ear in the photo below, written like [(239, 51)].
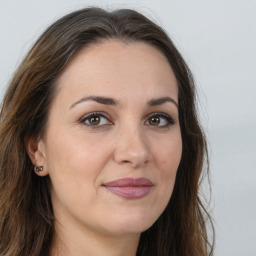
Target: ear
[(35, 148)]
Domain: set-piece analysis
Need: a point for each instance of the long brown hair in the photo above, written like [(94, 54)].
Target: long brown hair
[(26, 215)]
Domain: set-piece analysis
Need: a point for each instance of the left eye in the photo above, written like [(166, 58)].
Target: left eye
[(160, 120), (95, 120)]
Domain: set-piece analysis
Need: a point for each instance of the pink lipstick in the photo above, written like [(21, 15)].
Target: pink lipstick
[(130, 188)]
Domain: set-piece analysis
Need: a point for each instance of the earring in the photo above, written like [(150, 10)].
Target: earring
[(38, 168)]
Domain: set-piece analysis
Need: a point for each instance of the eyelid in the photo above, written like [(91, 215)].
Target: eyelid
[(168, 118), (170, 121), (96, 113)]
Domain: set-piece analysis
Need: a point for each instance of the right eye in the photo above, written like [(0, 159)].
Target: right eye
[(95, 120)]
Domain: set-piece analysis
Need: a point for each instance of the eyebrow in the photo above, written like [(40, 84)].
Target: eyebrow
[(98, 99), (114, 102), (162, 100)]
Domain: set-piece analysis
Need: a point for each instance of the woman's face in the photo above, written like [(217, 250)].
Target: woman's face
[(113, 143)]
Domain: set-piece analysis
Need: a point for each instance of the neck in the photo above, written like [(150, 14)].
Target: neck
[(78, 242)]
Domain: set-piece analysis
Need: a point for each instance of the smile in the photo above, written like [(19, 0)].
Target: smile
[(130, 188)]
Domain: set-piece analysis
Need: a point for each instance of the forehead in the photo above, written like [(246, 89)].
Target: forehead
[(117, 68)]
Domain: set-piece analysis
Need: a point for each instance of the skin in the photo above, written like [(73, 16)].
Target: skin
[(80, 157)]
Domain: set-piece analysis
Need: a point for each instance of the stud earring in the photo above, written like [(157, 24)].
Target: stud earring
[(38, 168)]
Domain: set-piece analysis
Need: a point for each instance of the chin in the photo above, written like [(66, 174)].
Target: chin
[(132, 223)]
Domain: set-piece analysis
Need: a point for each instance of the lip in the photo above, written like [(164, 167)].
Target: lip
[(130, 188)]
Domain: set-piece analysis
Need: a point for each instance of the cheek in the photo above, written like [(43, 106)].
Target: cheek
[(76, 157), (75, 164), (168, 158), (169, 154)]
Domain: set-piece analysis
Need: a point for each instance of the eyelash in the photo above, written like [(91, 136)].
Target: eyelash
[(160, 115), (95, 114), (101, 115)]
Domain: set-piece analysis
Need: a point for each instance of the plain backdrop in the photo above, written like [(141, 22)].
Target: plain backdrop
[(218, 41)]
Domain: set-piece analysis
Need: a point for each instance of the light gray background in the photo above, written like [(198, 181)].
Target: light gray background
[(218, 40)]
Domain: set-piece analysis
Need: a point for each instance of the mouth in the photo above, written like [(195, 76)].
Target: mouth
[(130, 188)]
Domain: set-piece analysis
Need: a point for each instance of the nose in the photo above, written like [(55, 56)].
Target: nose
[(132, 149)]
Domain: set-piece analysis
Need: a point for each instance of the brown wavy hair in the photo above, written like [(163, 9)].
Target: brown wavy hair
[(26, 215)]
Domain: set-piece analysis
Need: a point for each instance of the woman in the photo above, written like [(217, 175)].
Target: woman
[(101, 150)]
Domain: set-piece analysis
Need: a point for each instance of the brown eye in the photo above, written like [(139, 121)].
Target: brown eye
[(159, 120), (154, 121), (94, 120)]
